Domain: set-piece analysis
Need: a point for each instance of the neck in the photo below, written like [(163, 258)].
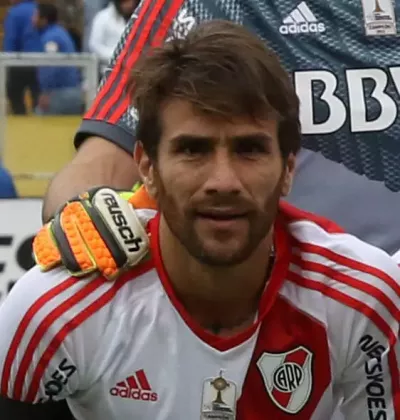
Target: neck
[(223, 300)]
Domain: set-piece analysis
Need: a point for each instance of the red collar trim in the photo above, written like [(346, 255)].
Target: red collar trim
[(278, 274)]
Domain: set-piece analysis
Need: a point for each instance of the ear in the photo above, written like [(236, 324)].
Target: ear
[(146, 168), (288, 175)]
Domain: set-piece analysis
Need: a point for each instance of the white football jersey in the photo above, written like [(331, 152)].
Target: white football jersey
[(326, 333)]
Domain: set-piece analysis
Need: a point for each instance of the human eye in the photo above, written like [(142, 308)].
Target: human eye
[(192, 147), (251, 147)]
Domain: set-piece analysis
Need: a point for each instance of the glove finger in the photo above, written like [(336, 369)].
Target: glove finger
[(113, 246), (85, 241), (45, 251), (75, 252)]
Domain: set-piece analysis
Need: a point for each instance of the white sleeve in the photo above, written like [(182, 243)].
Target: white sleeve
[(369, 328), (396, 257), (49, 332), (96, 38)]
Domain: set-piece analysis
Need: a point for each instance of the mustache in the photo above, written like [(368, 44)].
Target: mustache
[(223, 203)]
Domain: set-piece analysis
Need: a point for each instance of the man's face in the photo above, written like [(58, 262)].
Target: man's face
[(217, 183), (127, 7), (37, 21)]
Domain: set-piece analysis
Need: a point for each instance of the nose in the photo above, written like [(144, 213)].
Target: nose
[(222, 177)]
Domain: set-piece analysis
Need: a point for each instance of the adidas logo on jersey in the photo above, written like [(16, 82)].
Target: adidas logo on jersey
[(135, 387), (301, 20)]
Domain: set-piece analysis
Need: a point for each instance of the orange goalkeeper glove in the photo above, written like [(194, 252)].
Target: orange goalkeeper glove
[(97, 231)]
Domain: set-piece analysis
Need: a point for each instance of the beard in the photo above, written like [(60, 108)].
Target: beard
[(220, 249)]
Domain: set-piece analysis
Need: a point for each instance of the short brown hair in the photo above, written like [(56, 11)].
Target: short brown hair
[(223, 70)]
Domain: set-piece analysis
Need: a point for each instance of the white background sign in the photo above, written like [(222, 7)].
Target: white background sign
[(20, 220)]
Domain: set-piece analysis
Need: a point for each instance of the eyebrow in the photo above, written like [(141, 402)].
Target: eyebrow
[(258, 136)]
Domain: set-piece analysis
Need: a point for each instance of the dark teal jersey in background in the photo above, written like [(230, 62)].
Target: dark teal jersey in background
[(344, 58)]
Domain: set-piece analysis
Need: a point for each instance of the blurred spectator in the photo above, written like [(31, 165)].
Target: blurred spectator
[(7, 187), (21, 36), (60, 86), (91, 8), (107, 28), (71, 16)]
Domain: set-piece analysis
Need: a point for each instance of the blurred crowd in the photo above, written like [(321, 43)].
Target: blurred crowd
[(105, 23), (57, 26), (61, 26)]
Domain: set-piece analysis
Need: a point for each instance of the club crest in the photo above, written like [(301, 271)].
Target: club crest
[(288, 377)]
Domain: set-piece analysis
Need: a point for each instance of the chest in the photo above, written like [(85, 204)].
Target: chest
[(170, 373)]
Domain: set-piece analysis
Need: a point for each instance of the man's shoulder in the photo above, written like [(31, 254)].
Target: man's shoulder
[(59, 296), (22, 9), (343, 268), (315, 234), (13, 11), (42, 302), (355, 279), (38, 285), (104, 14), (49, 317)]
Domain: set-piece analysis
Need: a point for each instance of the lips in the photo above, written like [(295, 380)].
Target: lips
[(221, 215)]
